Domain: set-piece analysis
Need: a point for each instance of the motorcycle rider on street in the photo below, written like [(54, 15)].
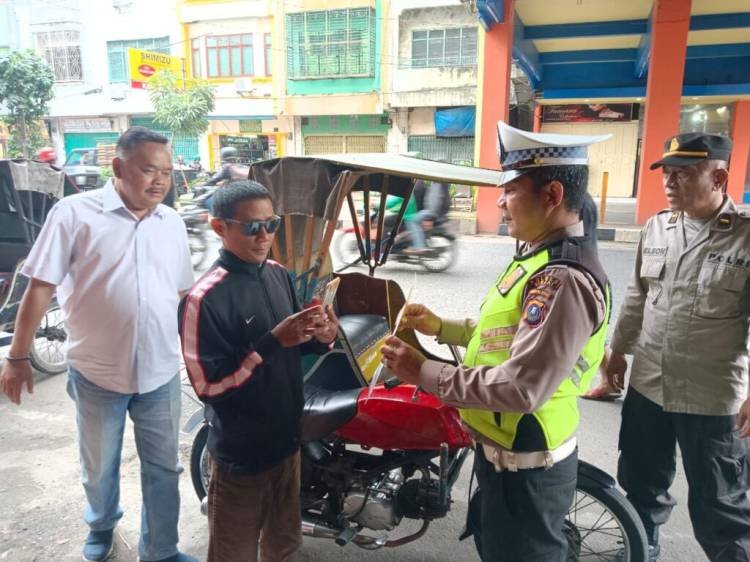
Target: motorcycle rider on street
[(537, 344), (230, 170)]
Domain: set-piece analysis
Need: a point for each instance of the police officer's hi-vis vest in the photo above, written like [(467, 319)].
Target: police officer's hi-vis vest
[(557, 419)]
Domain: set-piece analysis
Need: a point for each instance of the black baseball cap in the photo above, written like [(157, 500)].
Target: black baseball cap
[(690, 148)]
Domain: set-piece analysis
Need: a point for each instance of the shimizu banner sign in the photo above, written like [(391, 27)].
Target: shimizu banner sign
[(144, 64)]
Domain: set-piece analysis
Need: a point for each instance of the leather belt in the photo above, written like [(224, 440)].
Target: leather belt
[(503, 459)]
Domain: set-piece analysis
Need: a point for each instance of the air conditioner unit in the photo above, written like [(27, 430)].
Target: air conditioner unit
[(118, 91), (244, 85)]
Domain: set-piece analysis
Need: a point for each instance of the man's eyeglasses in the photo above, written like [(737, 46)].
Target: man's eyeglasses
[(252, 228)]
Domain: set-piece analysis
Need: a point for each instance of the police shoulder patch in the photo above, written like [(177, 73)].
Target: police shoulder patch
[(534, 312)]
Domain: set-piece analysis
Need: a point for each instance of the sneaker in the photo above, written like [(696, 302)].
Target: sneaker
[(98, 546), (179, 557)]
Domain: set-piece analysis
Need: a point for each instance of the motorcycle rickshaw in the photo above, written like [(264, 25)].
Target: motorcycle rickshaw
[(374, 458), (28, 190)]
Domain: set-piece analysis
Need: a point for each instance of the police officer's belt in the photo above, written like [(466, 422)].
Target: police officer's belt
[(503, 459)]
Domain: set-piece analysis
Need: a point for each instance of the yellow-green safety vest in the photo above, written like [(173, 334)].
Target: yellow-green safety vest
[(490, 345)]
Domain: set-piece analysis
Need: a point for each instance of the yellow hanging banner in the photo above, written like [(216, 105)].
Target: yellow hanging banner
[(144, 64)]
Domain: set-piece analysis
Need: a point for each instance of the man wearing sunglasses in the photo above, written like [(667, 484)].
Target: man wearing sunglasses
[(243, 334)]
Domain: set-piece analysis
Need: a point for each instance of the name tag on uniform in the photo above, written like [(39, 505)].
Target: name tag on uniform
[(508, 282)]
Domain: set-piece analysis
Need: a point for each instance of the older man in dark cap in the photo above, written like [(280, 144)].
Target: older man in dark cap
[(537, 343), (685, 320)]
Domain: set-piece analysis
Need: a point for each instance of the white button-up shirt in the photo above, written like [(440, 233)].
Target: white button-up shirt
[(118, 283)]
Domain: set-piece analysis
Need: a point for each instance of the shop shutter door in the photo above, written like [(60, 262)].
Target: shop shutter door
[(185, 146), (324, 144), (456, 150), (88, 140), (365, 143)]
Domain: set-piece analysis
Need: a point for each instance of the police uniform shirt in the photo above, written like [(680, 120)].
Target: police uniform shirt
[(543, 352), (686, 313)]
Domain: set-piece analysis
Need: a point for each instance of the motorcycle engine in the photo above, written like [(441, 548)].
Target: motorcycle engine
[(374, 506)]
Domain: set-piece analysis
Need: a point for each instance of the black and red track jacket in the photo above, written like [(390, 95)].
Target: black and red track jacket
[(252, 387)]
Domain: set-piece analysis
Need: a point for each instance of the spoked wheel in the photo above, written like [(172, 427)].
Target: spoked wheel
[(47, 354), (442, 253), (198, 243), (347, 249), (603, 526), (200, 473)]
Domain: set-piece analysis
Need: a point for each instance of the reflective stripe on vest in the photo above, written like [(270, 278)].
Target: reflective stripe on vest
[(490, 345)]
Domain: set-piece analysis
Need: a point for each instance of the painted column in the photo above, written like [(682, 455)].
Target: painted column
[(670, 21), (741, 150), (493, 102), (537, 118)]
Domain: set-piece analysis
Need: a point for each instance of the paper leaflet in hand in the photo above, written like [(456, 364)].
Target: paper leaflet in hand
[(379, 370)]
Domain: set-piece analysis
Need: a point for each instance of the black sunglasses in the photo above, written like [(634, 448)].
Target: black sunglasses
[(252, 228)]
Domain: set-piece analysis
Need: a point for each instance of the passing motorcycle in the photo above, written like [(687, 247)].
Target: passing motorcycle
[(440, 254)]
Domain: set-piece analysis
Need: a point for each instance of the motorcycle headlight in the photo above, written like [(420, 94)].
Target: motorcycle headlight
[(80, 180)]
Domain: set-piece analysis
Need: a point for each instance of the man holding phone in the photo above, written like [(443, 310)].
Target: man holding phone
[(243, 333)]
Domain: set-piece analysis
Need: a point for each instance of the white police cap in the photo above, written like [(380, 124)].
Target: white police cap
[(520, 150)]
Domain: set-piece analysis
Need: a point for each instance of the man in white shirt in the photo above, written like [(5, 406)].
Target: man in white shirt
[(119, 260)]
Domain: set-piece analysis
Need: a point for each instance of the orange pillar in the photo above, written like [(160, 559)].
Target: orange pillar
[(666, 68), (537, 118), (741, 150), (493, 102)]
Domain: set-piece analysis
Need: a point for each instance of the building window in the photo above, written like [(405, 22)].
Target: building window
[(117, 54), (62, 51), (444, 47), (195, 56), (267, 53), (331, 44), (229, 55)]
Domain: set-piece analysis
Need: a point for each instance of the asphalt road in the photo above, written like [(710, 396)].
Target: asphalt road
[(41, 500)]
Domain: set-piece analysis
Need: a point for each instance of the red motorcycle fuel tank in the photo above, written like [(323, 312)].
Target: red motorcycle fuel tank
[(389, 419)]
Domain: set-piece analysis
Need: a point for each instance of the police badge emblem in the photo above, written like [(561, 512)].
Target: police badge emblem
[(674, 145)]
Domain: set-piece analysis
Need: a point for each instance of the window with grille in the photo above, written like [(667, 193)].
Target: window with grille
[(117, 54), (455, 46), (195, 56), (229, 55), (62, 51), (333, 43), (267, 54)]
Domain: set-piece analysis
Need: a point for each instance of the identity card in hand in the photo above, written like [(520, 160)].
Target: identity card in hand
[(329, 294), (399, 316)]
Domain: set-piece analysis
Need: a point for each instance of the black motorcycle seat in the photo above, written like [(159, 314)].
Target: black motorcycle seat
[(362, 331), (325, 411)]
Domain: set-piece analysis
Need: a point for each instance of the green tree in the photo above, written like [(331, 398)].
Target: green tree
[(25, 89), (181, 108)]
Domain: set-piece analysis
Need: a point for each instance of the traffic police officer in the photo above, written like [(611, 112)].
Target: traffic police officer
[(538, 342), (685, 320)]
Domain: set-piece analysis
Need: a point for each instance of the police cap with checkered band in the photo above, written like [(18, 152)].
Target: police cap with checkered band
[(520, 150)]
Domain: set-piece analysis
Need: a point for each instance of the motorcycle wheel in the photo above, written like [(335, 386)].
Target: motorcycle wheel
[(346, 249), (603, 525), (198, 243), (47, 353), (442, 253), (199, 472)]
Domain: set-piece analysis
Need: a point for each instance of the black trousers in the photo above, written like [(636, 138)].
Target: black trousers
[(518, 516), (717, 466)]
